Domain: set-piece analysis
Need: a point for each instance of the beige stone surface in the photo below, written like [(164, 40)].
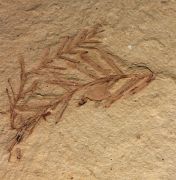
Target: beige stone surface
[(135, 139)]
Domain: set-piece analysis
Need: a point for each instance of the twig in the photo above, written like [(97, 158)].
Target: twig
[(74, 50)]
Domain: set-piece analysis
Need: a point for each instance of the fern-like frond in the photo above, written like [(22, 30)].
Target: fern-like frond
[(79, 65)]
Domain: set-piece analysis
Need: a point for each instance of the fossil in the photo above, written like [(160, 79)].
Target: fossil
[(80, 65)]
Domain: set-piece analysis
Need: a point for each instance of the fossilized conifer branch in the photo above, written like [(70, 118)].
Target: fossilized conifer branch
[(73, 53)]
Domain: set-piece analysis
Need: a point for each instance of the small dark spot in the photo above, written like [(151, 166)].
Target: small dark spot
[(96, 8), (162, 159), (71, 178), (164, 1), (18, 138), (138, 136), (18, 153), (111, 159), (82, 101)]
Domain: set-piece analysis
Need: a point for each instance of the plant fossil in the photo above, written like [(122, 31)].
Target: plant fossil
[(80, 65)]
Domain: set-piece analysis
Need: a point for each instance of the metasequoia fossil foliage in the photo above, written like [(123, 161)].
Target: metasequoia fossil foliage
[(80, 65)]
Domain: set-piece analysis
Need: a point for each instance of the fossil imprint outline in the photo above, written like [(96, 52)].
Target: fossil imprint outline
[(96, 77)]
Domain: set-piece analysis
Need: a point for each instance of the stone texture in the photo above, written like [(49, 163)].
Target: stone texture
[(136, 137)]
